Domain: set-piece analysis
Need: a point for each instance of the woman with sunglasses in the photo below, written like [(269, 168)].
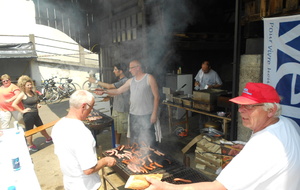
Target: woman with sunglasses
[(29, 98), (8, 93)]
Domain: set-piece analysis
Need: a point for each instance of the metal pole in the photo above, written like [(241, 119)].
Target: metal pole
[(236, 66)]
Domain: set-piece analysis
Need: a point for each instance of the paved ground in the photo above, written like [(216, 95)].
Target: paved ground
[(46, 163)]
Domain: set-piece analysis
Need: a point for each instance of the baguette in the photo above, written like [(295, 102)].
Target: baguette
[(140, 182)]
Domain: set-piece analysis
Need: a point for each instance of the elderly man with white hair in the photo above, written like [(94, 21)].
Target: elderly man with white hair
[(74, 145), (270, 159)]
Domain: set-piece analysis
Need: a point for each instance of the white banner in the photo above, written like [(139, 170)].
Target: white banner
[(282, 61)]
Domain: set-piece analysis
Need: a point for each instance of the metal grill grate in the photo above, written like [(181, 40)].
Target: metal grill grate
[(172, 169)]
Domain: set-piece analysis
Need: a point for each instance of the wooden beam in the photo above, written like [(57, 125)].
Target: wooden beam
[(40, 128)]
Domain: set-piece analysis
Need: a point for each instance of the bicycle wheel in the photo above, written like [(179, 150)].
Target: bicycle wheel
[(70, 88), (86, 85), (77, 86), (89, 86), (52, 95)]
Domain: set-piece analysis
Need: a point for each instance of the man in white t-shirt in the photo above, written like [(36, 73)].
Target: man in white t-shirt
[(270, 159), (74, 145), (207, 77)]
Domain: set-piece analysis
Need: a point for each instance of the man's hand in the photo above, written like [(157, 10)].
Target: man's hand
[(156, 184), (153, 119), (110, 161), (197, 83), (99, 91), (92, 80)]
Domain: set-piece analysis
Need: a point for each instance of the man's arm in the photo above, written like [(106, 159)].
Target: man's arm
[(116, 91), (155, 93), (218, 82), (103, 84), (159, 185), (214, 86), (106, 161)]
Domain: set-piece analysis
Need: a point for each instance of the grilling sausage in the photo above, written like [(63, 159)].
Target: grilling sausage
[(148, 168), (182, 180), (158, 165)]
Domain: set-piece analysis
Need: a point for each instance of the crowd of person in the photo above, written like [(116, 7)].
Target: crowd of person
[(21, 102), (269, 160)]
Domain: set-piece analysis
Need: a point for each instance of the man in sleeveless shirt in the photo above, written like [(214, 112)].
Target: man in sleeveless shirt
[(144, 101)]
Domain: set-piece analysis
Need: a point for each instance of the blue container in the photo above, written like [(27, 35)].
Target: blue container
[(16, 163)]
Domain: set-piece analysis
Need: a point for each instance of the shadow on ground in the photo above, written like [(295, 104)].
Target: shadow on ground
[(60, 109)]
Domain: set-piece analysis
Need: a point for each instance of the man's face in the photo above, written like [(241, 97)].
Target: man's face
[(134, 68), (254, 116), (89, 108), (117, 72), (205, 67)]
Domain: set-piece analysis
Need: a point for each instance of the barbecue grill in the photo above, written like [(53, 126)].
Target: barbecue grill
[(97, 126), (171, 169)]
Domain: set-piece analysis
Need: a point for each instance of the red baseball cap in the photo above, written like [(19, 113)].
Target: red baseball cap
[(255, 93)]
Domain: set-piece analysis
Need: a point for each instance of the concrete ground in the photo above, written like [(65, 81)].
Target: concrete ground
[(46, 163)]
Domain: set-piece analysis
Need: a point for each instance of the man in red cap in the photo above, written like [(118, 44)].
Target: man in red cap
[(270, 159)]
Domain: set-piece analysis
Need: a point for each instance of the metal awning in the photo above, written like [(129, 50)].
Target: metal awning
[(22, 50)]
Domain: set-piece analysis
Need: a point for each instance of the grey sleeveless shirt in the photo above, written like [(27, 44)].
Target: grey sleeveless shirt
[(31, 102), (141, 97)]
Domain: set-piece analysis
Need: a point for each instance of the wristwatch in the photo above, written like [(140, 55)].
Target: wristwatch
[(96, 81)]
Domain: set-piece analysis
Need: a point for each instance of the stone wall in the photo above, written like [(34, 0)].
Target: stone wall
[(251, 69)]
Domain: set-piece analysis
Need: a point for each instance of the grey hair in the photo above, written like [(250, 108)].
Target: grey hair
[(80, 97), (272, 105)]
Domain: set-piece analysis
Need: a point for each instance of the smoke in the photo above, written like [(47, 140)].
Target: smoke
[(164, 20)]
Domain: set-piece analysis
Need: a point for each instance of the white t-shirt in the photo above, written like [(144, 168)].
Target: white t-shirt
[(270, 160), (209, 78), (74, 145)]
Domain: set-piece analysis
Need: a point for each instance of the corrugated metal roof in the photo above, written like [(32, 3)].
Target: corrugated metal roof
[(22, 50)]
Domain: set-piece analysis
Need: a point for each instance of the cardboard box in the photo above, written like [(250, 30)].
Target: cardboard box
[(206, 99), (178, 99), (187, 102), (203, 106)]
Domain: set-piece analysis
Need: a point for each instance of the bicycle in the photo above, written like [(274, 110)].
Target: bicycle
[(67, 88), (48, 93), (89, 86)]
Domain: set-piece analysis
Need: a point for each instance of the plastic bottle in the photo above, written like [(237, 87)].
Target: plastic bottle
[(14, 150), (179, 71), (7, 174)]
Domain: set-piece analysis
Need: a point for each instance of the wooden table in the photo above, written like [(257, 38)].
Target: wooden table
[(225, 120), (13, 145)]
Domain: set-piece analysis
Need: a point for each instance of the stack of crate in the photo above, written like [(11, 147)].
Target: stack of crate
[(208, 157)]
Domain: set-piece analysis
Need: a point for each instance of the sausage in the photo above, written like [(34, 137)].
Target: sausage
[(169, 161), (130, 167), (148, 168), (158, 165), (143, 169), (149, 159), (182, 180), (152, 166)]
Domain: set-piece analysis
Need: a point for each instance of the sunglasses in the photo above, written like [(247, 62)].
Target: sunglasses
[(5, 80)]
